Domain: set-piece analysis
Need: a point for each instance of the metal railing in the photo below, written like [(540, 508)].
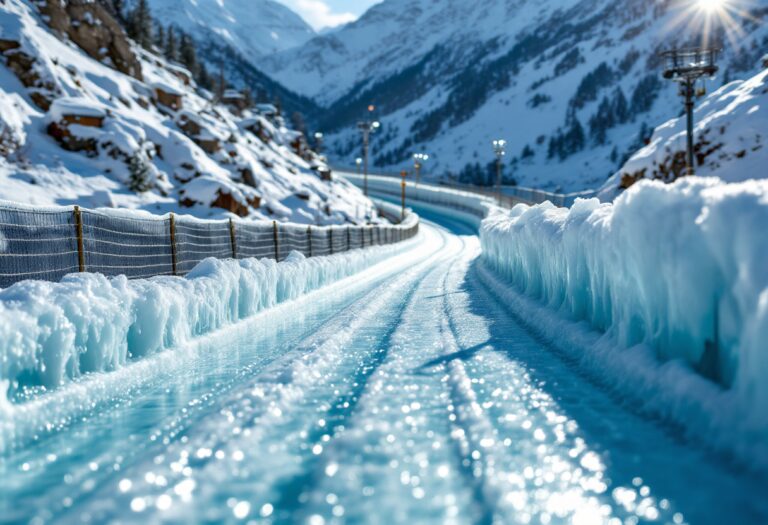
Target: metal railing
[(49, 243), (511, 195)]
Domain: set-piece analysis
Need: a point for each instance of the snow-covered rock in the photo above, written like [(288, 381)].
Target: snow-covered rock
[(75, 130)]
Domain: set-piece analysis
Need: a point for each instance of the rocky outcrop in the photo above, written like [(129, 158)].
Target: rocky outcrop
[(41, 91), (92, 28)]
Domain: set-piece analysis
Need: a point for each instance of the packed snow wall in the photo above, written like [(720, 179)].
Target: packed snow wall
[(48, 243), (680, 268)]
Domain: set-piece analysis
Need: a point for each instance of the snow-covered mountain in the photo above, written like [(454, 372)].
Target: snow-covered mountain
[(574, 86), (252, 27), (89, 118)]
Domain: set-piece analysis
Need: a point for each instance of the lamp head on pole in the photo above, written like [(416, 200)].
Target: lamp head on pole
[(318, 136), (500, 147), (358, 161), (688, 65), (419, 159)]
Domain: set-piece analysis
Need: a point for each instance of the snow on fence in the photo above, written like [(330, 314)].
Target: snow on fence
[(49, 243)]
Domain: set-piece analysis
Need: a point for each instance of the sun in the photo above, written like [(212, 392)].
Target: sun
[(711, 6), (712, 20)]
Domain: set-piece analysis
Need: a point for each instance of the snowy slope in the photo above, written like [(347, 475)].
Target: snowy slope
[(252, 165), (252, 27), (731, 126), (447, 78)]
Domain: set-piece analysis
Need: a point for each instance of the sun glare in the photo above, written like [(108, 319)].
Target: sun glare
[(712, 21), (711, 6)]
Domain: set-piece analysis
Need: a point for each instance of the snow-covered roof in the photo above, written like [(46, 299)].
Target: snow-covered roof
[(233, 94), (167, 88), (76, 106), (178, 69), (266, 109)]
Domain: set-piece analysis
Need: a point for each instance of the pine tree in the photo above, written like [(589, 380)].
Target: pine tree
[(527, 152), (620, 106), (602, 121), (203, 77), (248, 97), (159, 36), (187, 53), (575, 138), (140, 25), (297, 122), (140, 173), (171, 47)]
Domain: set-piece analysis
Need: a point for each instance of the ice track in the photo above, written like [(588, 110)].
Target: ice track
[(406, 395)]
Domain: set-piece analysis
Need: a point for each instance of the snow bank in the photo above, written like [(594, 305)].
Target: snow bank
[(672, 267), (51, 333)]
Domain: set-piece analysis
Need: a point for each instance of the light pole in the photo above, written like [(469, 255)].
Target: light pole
[(687, 66), (403, 174), (319, 142), (500, 149), (358, 162), (366, 127), (418, 161)]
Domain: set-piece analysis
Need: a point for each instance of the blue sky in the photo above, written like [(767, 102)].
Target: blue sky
[(329, 13)]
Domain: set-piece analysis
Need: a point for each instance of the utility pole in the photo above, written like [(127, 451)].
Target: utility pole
[(499, 148), (319, 143), (687, 66)]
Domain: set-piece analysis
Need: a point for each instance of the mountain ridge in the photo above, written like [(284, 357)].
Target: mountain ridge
[(447, 79)]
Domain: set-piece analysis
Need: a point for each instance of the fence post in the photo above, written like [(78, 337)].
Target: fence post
[(330, 239), (309, 239), (349, 238), (232, 238), (172, 228), (277, 242), (79, 233)]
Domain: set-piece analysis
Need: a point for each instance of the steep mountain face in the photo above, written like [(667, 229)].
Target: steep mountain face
[(232, 38), (75, 129), (253, 28), (574, 86)]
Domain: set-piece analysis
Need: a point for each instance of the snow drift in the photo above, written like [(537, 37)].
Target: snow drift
[(51, 333), (678, 268)]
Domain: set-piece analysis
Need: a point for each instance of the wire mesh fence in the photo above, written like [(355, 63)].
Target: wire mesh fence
[(49, 243)]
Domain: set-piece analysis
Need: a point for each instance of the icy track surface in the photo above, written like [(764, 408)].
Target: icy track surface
[(404, 395)]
